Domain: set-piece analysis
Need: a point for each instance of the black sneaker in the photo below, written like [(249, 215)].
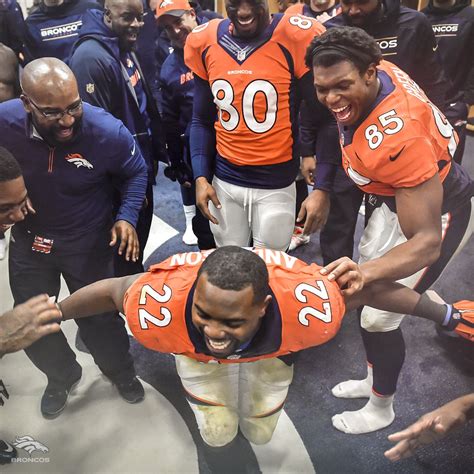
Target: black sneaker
[(54, 400), (7, 452), (131, 391)]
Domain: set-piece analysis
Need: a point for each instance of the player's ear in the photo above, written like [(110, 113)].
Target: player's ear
[(26, 103), (107, 16), (370, 74)]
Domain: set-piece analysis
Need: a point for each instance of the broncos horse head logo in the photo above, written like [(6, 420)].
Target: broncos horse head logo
[(78, 160), (29, 444)]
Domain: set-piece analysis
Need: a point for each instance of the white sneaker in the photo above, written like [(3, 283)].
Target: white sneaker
[(3, 248), (298, 238), (188, 237)]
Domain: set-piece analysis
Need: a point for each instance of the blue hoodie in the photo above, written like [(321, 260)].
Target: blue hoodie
[(96, 63), (52, 31), (71, 184)]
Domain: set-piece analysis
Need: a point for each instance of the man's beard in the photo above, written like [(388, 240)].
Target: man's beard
[(49, 136), (369, 19)]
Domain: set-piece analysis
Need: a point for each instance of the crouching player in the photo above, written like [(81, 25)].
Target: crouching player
[(234, 318)]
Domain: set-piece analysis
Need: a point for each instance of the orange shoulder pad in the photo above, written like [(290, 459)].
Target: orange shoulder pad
[(197, 42), (295, 33)]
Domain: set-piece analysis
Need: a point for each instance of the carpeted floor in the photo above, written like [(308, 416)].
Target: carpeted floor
[(99, 433)]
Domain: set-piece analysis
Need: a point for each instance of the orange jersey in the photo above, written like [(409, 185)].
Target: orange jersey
[(252, 84), (404, 141), (306, 307)]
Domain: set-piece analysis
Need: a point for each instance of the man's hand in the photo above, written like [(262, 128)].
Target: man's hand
[(308, 167), (316, 209), (127, 235), (346, 273), (27, 323), (180, 172), (205, 193), (429, 428)]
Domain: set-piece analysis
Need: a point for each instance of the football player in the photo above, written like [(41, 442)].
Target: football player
[(249, 70), (233, 305), (398, 148)]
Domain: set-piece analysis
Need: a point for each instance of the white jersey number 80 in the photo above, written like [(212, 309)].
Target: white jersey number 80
[(229, 117)]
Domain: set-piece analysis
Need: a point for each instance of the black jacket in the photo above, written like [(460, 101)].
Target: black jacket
[(454, 30)]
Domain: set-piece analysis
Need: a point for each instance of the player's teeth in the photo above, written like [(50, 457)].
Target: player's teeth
[(218, 345), (246, 22)]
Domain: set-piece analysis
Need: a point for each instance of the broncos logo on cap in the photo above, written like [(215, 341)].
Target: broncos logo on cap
[(78, 160), (165, 3)]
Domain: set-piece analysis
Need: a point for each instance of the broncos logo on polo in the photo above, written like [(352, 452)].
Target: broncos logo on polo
[(29, 444), (78, 160)]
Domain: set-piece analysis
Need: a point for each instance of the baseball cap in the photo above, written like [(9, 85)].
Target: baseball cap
[(172, 7)]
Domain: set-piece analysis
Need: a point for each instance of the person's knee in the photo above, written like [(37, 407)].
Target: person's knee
[(259, 430), (373, 320), (218, 425)]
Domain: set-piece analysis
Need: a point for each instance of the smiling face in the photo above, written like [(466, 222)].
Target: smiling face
[(226, 318), (345, 91), (249, 17), (41, 105), (12, 202), (125, 19), (321, 5), (178, 27)]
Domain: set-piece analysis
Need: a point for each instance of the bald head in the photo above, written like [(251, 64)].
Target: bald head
[(48, 79), (51, 98), (117, 3)]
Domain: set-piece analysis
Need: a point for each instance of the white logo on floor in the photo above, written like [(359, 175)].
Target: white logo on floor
[(30, 445)]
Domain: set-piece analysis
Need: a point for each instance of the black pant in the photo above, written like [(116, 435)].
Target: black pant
[(337, 236), (32, 273)]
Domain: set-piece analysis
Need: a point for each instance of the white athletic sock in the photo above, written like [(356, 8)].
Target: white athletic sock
[(355, 388), (376, 414), (189, 213), (188, 237)]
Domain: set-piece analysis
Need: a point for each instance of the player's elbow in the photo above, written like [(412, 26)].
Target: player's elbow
[(431, 248)]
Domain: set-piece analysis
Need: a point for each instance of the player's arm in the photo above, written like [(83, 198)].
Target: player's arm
[(99, 297), (203, 146), (419, 214), (431, 427), (318, 132)]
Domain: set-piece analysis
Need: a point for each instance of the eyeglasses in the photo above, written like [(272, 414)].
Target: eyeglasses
[(55, 115)]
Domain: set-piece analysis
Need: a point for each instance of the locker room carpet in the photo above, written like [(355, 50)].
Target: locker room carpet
[(100, 433)]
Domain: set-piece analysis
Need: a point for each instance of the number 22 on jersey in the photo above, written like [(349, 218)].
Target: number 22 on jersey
[(145, 317), (302, 293)]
